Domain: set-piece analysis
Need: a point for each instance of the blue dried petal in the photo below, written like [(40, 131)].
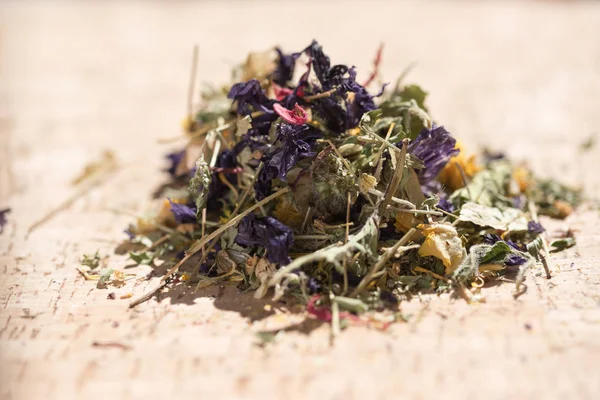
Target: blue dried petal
[(267, 232), (129, 233), (183, 214), (313, 285), (320, 60), (174, 159), (535, 227), (294, 142), (489, 238), (445, 205), (434, 148), (285, 67), (514, 259), (249, 94)]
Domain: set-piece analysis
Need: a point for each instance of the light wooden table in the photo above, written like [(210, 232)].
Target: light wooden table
[(76, 78)]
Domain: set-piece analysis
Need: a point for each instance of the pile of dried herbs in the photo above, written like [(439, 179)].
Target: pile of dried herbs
[(299, 179)]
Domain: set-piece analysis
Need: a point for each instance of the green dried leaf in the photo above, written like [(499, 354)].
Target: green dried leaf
[(142, 257), (496, 253), (105, 275), (91, 261), (414, 118), (368, 120), (509, 219), (363, 242), (350, 304), (488, 187), (534, 247), (200, 185), (562, 244), (413, 92)]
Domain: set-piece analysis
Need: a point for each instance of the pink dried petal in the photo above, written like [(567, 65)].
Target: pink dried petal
[(297, 116), (281, 92), (322, 314)]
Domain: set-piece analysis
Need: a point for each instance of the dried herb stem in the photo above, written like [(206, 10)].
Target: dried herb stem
[(312, 237), (545, 255), (320, 95), (396, 179), (192, 83), (385, 257)]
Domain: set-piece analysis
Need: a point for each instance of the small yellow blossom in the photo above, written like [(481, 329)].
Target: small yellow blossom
[(442, 241), (451, 175), (522, 177)]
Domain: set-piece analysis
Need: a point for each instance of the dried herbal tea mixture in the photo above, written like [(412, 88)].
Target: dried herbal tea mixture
[(297, 179)]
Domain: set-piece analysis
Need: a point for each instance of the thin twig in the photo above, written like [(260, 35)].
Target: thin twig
[(403, 75), (396, 179), (192, 83), (312, 237), (382, 261), (150, 294), (345, 262), (378, 158), (403, 202), (320, 95), (545, 255), (90, 183), (465, 180), (233, 221), (337, 152), (207, 128)]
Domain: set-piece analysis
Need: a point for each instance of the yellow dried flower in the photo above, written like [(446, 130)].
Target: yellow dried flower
[(451, 176), (442, 241)]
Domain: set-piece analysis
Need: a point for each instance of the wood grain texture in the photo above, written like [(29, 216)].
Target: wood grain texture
[(80, 77)]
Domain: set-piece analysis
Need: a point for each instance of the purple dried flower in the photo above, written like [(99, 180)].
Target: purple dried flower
[(226, 164), (313, 285), (518, 202), (3, 219), (129, 233), (489, 238), (434, 148), (445, 205), (514, 259), (293, 143), (183, 214), (267, 232), (344, 109), (175, 159), (320, 60), (285, 67), (331, 111), (249, 94), (535, 227)]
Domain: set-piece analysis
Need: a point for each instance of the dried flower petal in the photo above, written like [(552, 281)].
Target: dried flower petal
[(294, 142), (183, 214), (267, 232), (452, 174), (434, 148), (535, 227), (297, 116), (286, 64), (248, 94), (442, 241)]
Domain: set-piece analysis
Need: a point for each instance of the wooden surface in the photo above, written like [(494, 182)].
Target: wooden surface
[(77, 78)]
